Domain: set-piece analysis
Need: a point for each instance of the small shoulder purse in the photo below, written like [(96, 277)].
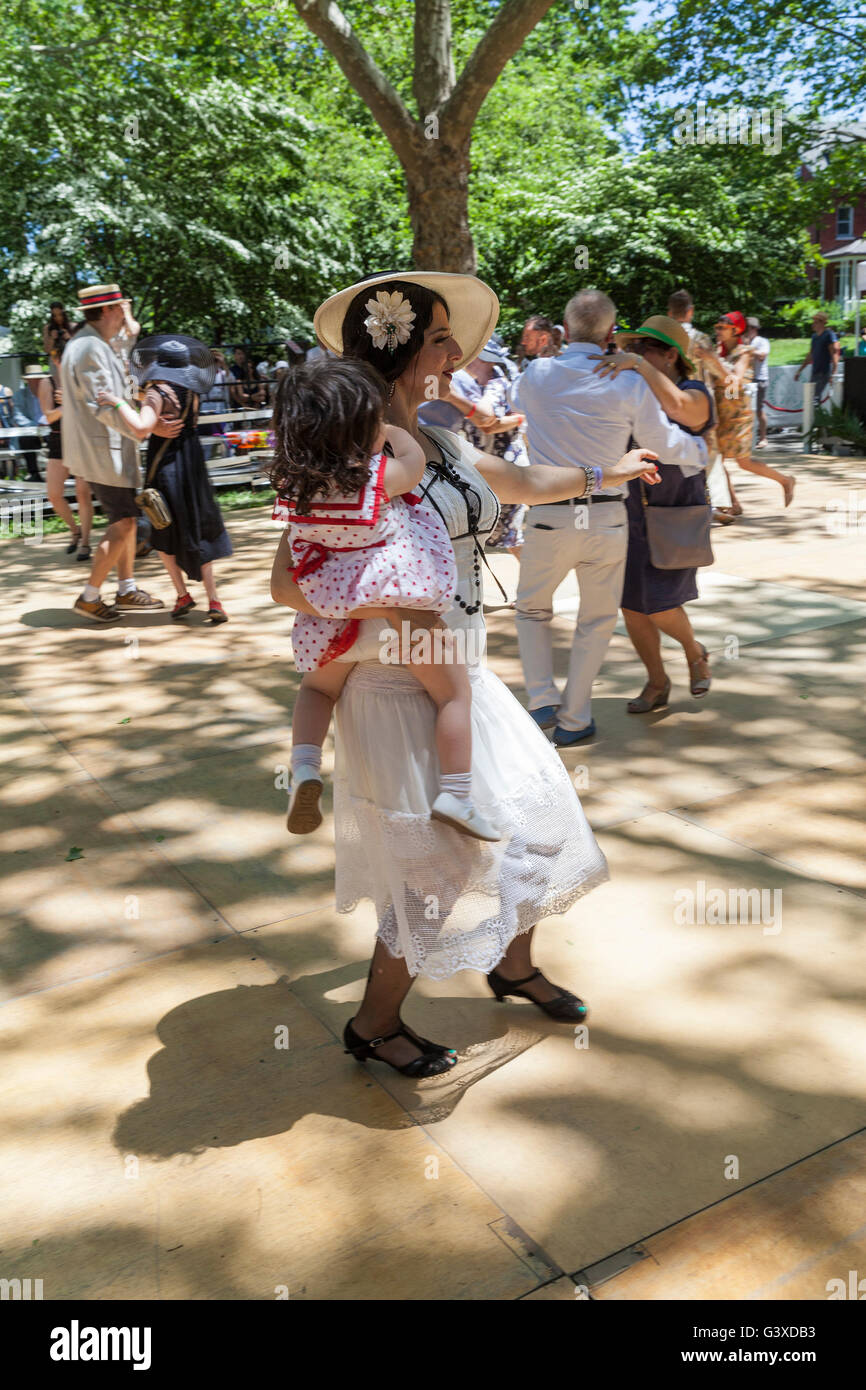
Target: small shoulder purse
[(150, 499), (678, 537)]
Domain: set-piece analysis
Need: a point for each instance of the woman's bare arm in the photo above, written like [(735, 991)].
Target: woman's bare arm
[(545, 483), (689, 408), (46, 401)]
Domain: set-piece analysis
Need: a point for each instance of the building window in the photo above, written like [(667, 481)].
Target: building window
[(844, 221)]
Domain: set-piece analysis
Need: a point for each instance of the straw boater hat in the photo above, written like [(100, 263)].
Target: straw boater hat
[(176, 358), (472, 306), (96, 295), (666, 330), (33, 373)]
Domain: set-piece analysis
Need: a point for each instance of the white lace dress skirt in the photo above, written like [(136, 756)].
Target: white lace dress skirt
[(446, 902)]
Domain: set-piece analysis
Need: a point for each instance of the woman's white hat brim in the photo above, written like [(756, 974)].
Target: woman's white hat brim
[(473, 308)]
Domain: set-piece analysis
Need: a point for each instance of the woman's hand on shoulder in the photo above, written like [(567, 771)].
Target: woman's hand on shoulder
[(611, 364), (637, 463)]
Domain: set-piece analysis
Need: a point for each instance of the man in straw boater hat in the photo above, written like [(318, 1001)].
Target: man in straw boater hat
[(100, 447)]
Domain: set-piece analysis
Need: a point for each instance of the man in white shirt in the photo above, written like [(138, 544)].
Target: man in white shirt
[(574, 416), (761, 374)]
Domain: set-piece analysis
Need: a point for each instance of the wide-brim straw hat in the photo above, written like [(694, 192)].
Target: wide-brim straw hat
[(176, 358), (473, 308), (665, 330)]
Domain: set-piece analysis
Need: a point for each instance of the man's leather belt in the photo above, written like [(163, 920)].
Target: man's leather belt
[(583, 501)]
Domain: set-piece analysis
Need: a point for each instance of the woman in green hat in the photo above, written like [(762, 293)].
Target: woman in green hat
[(653, 599)]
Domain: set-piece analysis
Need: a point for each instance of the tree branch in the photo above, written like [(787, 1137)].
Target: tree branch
[(327, 21), (433, 78), (835, 33), (515, 20)]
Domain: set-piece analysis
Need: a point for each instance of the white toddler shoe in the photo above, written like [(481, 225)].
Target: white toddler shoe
[(463, 816), (304, 814)]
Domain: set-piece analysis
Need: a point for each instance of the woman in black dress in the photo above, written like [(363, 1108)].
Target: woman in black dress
[(175, 371), (653, 599)]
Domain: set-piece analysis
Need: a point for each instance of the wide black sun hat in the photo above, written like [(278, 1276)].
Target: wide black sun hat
[(176, 358)]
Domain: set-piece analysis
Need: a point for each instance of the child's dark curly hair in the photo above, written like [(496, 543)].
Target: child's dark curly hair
[(327, 415)]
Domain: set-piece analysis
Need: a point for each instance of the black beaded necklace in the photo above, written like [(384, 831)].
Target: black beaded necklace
[(444, 471)]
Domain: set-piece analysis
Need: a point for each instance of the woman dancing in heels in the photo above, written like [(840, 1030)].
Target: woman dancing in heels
[(446, 902)]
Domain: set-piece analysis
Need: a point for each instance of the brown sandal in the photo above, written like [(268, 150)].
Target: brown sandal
[(699, 684)]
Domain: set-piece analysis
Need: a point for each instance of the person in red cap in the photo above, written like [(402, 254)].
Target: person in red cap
[(731, 371), (100, 447)]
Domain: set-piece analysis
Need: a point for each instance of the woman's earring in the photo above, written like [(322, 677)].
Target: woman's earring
[(391, 389)]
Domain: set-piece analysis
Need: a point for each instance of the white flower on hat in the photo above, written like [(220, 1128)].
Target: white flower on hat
[(390, 321)]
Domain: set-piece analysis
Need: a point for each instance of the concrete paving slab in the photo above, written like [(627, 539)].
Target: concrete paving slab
[(799, 1235), (710, 1041), (166, 1146), (816, 823), (85, 891)]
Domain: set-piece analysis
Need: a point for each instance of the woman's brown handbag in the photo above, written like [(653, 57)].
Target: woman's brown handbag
[(678, 537), (150, 499)]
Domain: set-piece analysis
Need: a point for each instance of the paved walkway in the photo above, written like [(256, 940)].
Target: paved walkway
[(164, 937)]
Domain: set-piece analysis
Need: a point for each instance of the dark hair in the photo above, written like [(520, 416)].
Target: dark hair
[(540, 324), (94, 314), (327, 415), (58, 304), (680, 302), (357, 342)]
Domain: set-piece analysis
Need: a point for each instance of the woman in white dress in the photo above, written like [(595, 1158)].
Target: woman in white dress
[(446, 903)]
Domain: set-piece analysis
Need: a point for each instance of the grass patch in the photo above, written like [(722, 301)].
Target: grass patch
[(231, 500), (789, 352)]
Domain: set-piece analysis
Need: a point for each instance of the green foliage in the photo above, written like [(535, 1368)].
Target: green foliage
[(649, 224), (835, 424), (214, 161), (797, 318)]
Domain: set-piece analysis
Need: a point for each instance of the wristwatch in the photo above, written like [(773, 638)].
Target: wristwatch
[(589, 473)]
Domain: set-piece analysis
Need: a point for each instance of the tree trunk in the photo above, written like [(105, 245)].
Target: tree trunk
[(437, 184), (435, 161)]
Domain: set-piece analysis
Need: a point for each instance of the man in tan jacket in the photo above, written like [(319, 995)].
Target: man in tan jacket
[(99, 447)]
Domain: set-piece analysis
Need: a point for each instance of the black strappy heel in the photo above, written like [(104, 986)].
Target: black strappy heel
[(434, 1060), (566, 1007)]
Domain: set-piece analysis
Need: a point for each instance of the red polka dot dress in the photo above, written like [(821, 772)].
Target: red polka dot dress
[(367, 549)]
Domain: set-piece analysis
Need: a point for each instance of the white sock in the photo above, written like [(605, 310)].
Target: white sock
[(306, 755), (459, 784), (90, 593), (126, 586)]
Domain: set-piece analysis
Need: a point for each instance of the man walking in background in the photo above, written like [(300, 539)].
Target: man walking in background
[(822, 357), (574, 416), (98, 447)]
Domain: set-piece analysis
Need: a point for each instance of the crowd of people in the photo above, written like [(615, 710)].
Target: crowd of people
[(408, 443)]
